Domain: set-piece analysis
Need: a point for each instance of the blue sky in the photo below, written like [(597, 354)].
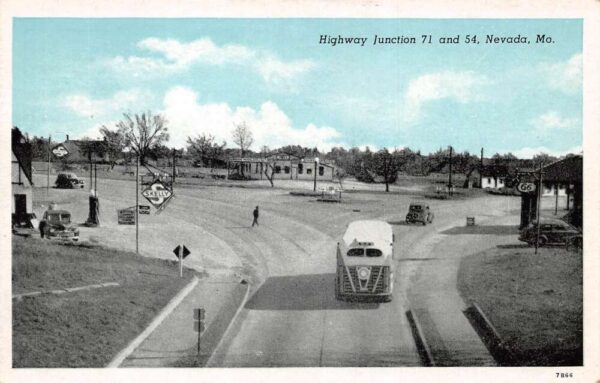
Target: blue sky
[(71, 76)]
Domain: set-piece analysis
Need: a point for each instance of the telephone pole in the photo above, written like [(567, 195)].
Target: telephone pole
[(450, 173)]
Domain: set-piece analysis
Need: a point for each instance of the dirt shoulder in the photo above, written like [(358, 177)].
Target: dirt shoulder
[(534, 301), (84, 328)]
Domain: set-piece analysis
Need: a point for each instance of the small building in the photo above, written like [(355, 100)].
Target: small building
[(84, 151), (493, 176), (285, 166), (22, 201)]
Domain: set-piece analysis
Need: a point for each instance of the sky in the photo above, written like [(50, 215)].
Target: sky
[(287, 82)]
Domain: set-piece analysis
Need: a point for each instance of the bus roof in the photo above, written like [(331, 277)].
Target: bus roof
[(377, 232)]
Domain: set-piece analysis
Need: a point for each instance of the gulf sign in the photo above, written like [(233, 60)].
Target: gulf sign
[(157, 194)]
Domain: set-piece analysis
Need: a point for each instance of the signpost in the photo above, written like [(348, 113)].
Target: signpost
[(158, 195), (126, 216), (526, 187), (199, 326), (60, 151), (181, 252)]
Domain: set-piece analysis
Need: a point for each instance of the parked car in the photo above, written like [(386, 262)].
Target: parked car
[(57, 224), (552, 232), (418, 212), (69, 181)]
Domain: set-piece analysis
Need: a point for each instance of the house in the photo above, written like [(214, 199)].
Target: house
[(493, 176), (83, 151), (285, 166), (22, 201)]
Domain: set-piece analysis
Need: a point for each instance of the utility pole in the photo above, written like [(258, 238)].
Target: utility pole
[(450, 173), (174, 169), (48, 175), (137, 206), (539, 202)]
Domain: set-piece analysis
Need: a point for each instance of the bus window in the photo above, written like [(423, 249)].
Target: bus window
[(356, 252), (374, 253)]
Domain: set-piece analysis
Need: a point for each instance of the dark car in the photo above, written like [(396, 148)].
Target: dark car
[(552, 232), (418, 212), (69, 181), (56, 224)]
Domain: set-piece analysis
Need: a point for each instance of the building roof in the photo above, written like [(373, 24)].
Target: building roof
[(569, 169), (22, 151)]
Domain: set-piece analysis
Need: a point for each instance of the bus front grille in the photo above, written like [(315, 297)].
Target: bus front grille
[(375, 284)]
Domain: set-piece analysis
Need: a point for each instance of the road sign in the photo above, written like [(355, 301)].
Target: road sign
[(526, 187), (144, 209), (157, 194), (60, 151), (199, 314), (179, 248), (126, 216), (199, 326)]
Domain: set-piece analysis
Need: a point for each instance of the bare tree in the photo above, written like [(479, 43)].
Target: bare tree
[(269, 171), (242, 137), (143, 132)]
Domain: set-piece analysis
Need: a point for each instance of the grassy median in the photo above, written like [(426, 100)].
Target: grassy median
[(85, 328), (534, 301)]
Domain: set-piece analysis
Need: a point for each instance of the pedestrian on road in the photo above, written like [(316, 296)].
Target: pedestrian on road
[(255, 214)]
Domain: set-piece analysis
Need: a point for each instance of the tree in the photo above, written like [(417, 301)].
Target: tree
[(143, 132), (242, 137), (205, 148), (115, 144), (386, 165)]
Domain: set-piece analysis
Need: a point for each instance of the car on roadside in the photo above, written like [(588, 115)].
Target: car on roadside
[(419, 212), (56, 224), (552, 232), (69, 181)]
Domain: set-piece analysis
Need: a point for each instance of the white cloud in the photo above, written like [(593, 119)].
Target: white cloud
[(179, 56), (528, 152), (269, 124), (462, 87), (553, 120), (565, 76), (120, 102)]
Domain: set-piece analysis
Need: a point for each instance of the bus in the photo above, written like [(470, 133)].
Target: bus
[(365, 266)]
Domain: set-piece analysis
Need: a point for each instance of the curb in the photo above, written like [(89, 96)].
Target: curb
[(220, 336), (489, 335), (173, 303), (420, 341)]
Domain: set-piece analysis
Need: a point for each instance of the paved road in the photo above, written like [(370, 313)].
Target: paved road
[(292, 317)]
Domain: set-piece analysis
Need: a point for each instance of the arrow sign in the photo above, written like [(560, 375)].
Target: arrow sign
[(179, 248), (60, 151)]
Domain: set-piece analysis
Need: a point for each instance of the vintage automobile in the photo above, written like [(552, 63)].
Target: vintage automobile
[(69, 181), (56, 224), (418, 212), (365, 266), (552, 232)]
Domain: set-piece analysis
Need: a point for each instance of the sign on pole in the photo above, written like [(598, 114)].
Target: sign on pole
[(181, 252), (199, 326), (526, 187), (126, 216), (60, 151), (144, 209), (157, 194)]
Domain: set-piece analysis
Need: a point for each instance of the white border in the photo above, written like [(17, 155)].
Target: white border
[(588, 10)]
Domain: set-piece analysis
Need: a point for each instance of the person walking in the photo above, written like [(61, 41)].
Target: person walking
[(255, 214)]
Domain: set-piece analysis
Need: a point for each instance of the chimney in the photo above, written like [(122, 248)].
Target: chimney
[(67, 137)]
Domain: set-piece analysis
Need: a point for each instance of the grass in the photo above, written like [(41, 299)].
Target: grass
[(85, 328), (534, 301)]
